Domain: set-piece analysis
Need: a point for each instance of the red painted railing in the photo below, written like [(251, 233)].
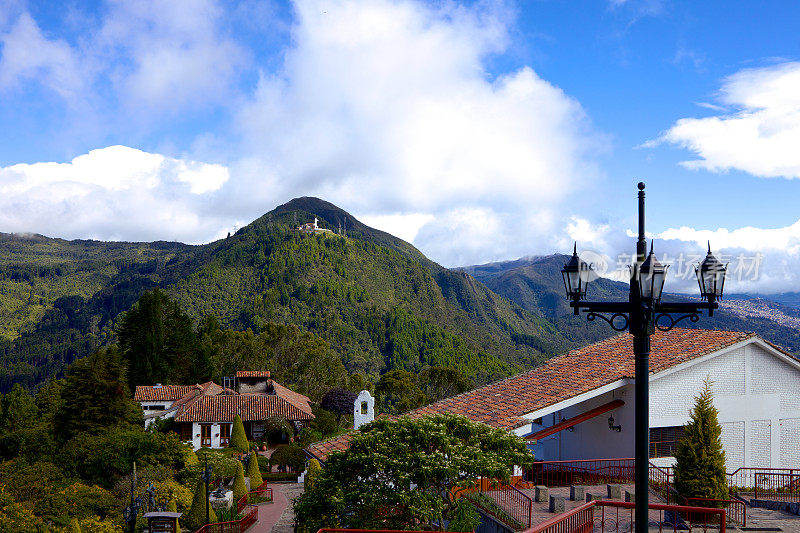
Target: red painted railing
[(261, 490), (511, 500), (745, 480), (234, 526), (578, 520), (619, 517), (580, 472), (736, 510), (332, 530), (780, 486)]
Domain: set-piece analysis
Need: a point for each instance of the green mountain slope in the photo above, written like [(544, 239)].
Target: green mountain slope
[(537, 286), (375, 298)]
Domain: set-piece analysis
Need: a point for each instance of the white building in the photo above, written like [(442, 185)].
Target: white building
[(565, 405), (204, 413)]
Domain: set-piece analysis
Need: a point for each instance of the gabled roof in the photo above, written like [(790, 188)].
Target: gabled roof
[(302, 402), (224, 408), (502, 404)]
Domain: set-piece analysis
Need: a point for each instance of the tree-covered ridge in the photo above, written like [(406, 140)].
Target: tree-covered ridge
[(35, 271), (373, 298)]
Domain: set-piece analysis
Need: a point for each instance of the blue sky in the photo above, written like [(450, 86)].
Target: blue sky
[(480, 131)]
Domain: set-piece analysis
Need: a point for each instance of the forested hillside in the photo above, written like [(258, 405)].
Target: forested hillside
[(537, 286), (377, 301)]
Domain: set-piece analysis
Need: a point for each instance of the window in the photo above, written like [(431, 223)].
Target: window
[(155, 408), (205, 435), (664, 440), (186, 432), (224, 435), (364, 408)]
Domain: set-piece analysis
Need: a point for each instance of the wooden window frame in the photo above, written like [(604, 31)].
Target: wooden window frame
[(664, 440), (224, 440), (205, 442)]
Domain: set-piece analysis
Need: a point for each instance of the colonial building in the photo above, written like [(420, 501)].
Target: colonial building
[(204, 413), (579, 405)]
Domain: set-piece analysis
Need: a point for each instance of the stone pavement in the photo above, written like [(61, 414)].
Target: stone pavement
[(764, 519), (278, 516)]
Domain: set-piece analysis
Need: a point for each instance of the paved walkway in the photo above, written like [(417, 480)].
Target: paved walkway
[(764, 519), (276, 515)]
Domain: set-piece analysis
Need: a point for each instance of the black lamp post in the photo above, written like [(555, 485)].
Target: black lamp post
[(641, 315), (131, 511), (207, 479)]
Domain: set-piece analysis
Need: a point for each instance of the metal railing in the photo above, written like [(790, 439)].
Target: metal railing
[(736, 510), (778, 486), (619, 517), (578, 520), (580, 472), (511, 500), (261, 491), (744, 480), (233, 526)]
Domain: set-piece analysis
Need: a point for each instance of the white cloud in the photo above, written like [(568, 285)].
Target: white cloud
[(405, 226), (386, 108), (115, 193), (177, 56), (28, 54), (761, 137)]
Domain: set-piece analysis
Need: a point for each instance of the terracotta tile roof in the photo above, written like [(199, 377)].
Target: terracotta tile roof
[(300, 401), (224, 407), (162, 393), (321, 450), (253, 374), (502, 404)]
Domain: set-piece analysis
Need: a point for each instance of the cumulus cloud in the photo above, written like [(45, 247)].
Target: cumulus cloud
[(114, 193), (27, 54), (759, 136), (386, 107)]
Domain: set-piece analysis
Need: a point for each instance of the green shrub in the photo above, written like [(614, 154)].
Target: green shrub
[(263, 465), (253, 471), (238, 436), (239, 486), (313, 471), (196, 518), (289, 455)]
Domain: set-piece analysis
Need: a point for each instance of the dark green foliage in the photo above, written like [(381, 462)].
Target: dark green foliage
[(158, 342), (238, 436), (196, 518), (409, 466), (239, 487), (398, 392), (254, 471), (465, 517), (438, 382), (289, 455), (104, 458), (699, 457), (98, 394), (324, 422), (19, 410)]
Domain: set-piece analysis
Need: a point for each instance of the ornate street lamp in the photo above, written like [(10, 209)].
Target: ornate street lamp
[(641, 315), (206, 479), (131, 511)]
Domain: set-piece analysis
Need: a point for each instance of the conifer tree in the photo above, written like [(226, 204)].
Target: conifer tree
[(239, 486), (197, 513), (254, 472), (700, 459), (238, 436), (172, 505)]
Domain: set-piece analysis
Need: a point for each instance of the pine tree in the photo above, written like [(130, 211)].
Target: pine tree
[(254, 472), (239, 486), (197, 514), (238, 436), (700, 459)]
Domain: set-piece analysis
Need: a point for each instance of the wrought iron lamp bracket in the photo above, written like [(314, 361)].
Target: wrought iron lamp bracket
[(591, 315), (693, 317)]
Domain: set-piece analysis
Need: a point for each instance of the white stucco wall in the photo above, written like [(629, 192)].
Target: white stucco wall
[(147, 409), (757, 395)]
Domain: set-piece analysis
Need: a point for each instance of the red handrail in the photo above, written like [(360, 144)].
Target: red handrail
[(738, 507), (578, 520), (687, 510)]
